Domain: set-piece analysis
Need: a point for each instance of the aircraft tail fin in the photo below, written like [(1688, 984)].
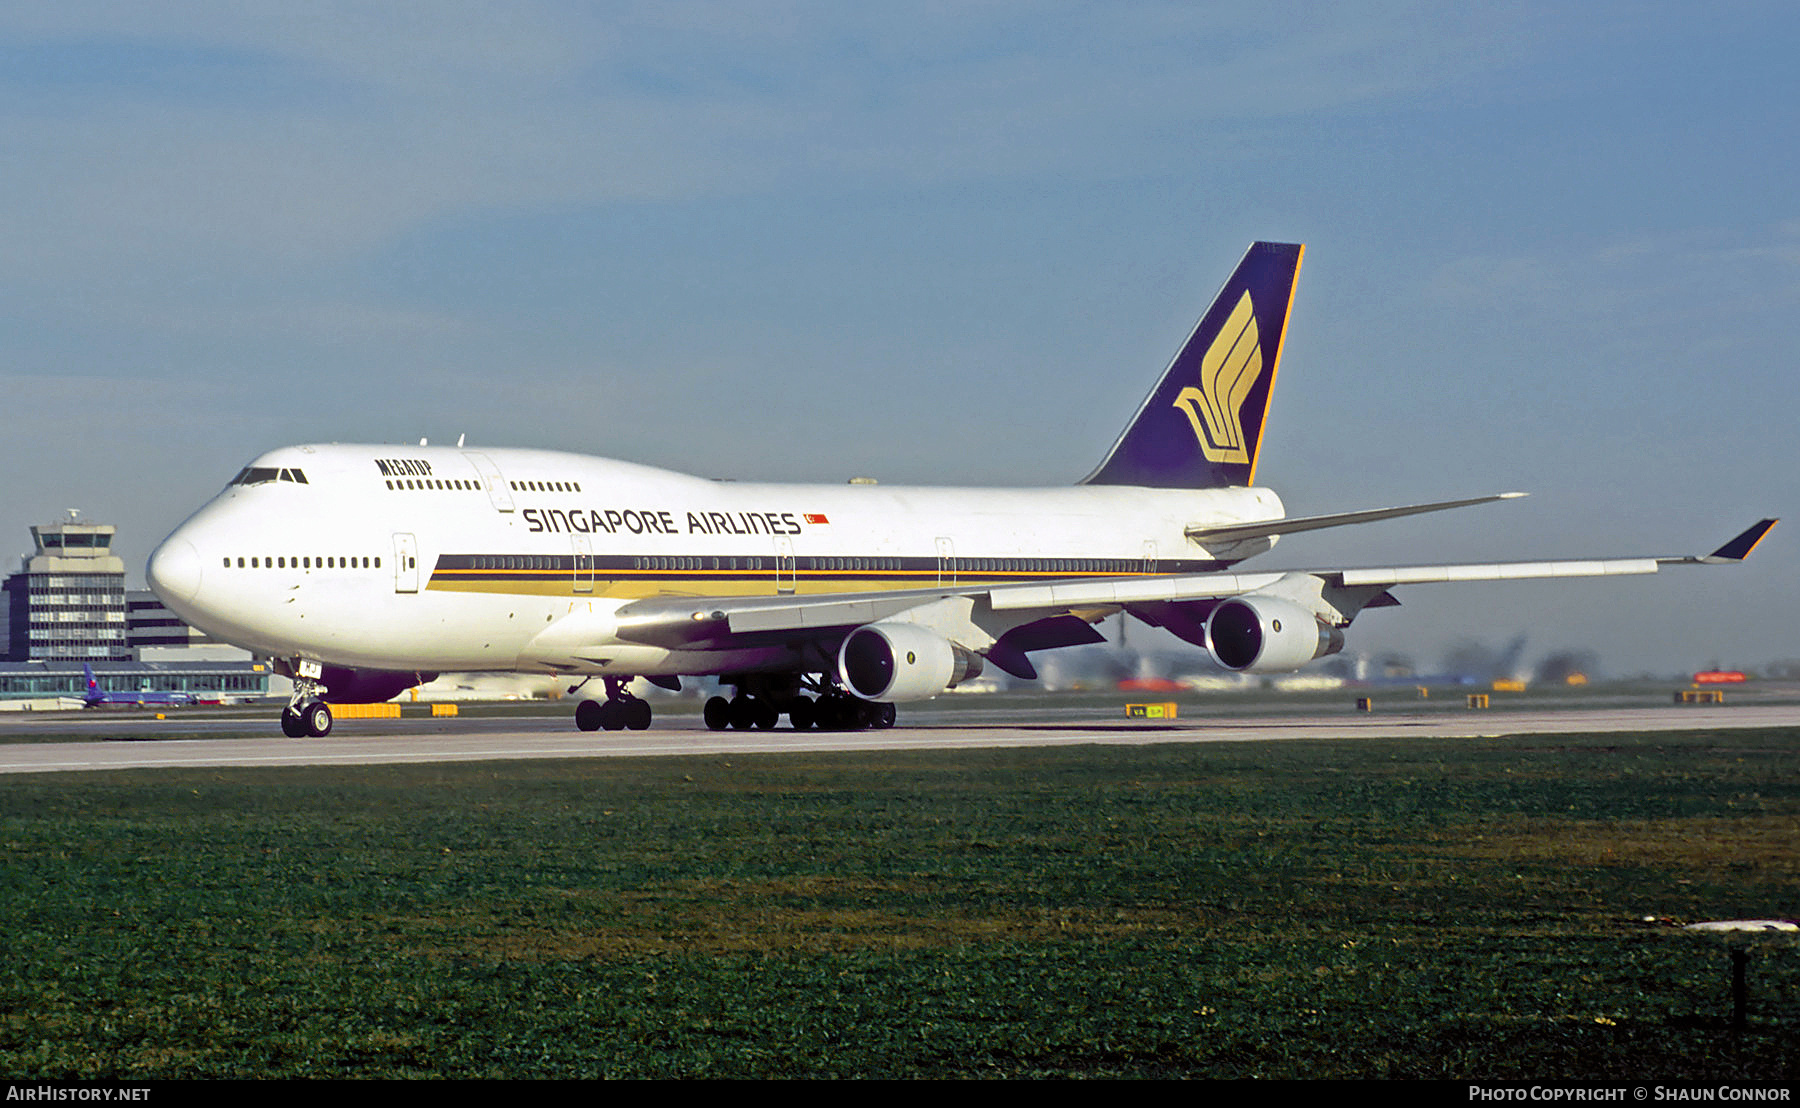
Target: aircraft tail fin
[(1202, 423)]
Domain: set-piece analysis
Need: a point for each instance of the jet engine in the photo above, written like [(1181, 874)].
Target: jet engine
[(901, 661), (1265, 634)]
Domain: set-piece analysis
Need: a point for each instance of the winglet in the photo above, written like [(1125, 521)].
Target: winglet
[(1739, 548)]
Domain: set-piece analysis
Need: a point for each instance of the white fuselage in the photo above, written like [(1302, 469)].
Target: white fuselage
[(438, 558)]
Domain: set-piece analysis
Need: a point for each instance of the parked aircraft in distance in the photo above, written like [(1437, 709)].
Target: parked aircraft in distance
[(365, 570), (96, 697)]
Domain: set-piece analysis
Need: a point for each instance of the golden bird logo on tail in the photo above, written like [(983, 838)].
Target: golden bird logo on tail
[(1228, 371)]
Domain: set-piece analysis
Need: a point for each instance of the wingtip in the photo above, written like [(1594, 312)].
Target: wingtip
[(1740, 547)]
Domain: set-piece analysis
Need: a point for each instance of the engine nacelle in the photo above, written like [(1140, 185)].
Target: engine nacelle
[(1265, 634), (901, 661)]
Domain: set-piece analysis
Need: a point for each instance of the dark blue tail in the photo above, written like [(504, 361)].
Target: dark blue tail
[(1202, 423)]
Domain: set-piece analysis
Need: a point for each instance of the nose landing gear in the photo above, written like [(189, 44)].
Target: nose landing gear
[(312, 720), (307, 714)]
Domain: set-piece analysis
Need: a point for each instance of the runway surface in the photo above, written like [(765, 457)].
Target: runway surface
[(109, 741)]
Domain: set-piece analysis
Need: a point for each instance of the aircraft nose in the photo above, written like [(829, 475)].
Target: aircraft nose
[(174, 571)]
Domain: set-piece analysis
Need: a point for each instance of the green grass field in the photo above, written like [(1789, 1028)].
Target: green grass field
[(1444, 909)]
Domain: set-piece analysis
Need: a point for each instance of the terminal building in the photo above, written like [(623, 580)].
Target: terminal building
[(68, 608)]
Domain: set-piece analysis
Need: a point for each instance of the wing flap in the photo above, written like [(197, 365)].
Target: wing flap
[(804, 615), (1497, 571), (1130, 590)]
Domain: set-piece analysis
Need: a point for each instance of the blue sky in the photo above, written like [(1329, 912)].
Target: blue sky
[(1550, 247)]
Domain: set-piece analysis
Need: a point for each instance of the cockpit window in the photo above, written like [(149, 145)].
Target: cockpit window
[(258, 475)]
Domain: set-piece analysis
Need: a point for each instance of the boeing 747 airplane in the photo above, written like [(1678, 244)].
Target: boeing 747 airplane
[(365, 570)]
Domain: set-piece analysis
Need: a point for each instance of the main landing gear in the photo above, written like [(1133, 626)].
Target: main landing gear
[(761, 704), (618, 712)]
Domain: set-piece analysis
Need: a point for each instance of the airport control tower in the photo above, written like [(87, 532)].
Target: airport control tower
[(67, 602)]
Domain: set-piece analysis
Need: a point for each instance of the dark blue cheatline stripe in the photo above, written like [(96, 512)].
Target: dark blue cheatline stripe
[(537, 567)]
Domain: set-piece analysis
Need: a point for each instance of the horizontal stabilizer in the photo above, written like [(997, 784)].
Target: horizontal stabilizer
[(1234, 532)]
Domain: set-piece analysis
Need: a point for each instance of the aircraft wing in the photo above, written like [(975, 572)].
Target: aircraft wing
[(989, 614)]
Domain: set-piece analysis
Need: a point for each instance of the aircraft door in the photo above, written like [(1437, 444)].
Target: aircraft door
[(784, 566), (491, 479), (406, 563), (584, 563), (946, 558), (1149, 555)]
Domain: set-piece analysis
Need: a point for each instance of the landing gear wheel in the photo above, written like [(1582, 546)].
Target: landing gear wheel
[(801, 714), (317, 718), (717, 714), (292, 725), (613, 715), (743, 713), (837, 713), (588, 715)]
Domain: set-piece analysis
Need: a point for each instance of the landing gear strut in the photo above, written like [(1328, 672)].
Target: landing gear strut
[(619, 711)]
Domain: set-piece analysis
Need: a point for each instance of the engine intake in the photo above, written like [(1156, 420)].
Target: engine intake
[(901, 661), (1265, 634)]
